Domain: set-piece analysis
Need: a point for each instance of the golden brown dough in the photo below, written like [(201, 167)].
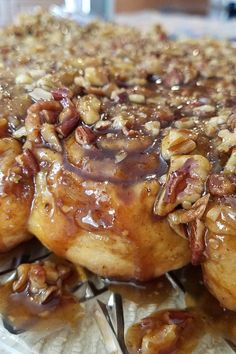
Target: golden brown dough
[(219, 267), (110, 229), (16, 196)]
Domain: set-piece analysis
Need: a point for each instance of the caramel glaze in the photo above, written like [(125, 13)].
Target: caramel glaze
[(91, 202), (21, 312), (206, 313)]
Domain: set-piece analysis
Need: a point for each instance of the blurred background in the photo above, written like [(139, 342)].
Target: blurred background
[(199, 17)]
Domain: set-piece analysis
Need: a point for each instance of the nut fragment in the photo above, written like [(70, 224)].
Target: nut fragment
[(49, 135), (96, 76), (24, 79), (221, 185), (228, 140), (19, 133), (230, 166), (28, 163), (153, 127), (185, 123), (195, 212), (89, 106), (185, 183), (84, 135), (177, 142), (43, 280), (136, 98), (39, 94), (67, 126)]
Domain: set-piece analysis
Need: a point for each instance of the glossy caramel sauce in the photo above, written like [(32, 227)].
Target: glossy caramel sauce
[(21, 313), (208, 316)]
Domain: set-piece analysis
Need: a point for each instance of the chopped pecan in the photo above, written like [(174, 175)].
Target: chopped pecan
[(177, 142), (45, 105), (62, 92), (84, 135), (39, 94), (49, 135), (228, 140), (89, 107), (42, 280), (185, 216), (96, 76), (220, 185), (67, 126), (230, 166), (196, 234), (28, 163), (153, 127), (49, 116)]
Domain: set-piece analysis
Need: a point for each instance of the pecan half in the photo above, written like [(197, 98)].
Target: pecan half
[(185, 183), (84, 135)]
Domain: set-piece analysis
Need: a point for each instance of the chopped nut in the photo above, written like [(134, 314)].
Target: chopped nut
[(49, 135), (43, 280), (19, 133), (120, 156), (220, 185), (84, 135), (24, 79), (88, 107), (136, 98), (67, 126), (102, 125), (230, 166), (185, 123), (228, 140), (185, 216), (96, 76), (28, 163), (204, 111), (177, 142), (49, 116), (62, 92), (153, 127), (39, 94)]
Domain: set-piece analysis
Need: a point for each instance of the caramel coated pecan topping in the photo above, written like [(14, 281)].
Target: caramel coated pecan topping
[(42, 280), (220, 185), (185, 183), (195, 212), (28, 163), (84, 135), (62, 92)]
